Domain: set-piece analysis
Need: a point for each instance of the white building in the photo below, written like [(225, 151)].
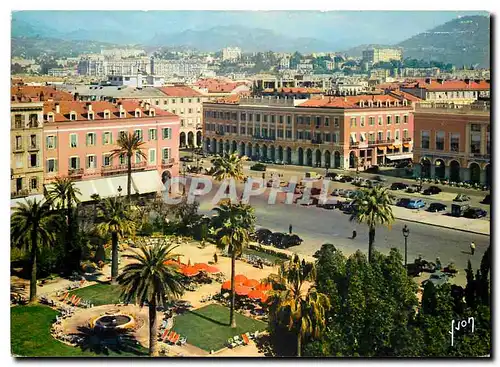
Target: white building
[(231, 54), (137, 81)]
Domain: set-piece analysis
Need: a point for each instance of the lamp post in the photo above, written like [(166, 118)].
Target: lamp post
[(406, 233)]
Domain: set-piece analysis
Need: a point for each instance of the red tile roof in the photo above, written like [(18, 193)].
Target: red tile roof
[(29, 93), (434, 85), (400, 94), (231, 99), (98, 107), (350, 101), (218, 86), (299, 90), (180, 91)]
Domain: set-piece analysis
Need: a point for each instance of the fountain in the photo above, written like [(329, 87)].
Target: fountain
[(113, 322)]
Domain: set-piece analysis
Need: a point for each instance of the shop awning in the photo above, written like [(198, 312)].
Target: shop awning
[(121, 181), (390, 147), (147, 182), (399, 156), (103, 187), (87, 189), (15, 202)]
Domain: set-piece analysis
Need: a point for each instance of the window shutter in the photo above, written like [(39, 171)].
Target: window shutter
[(77, 162), (55, 141), (69, 164), (47, 166), (56, 167)]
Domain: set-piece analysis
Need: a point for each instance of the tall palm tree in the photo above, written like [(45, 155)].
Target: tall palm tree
[(229, 166), (150, 280), (301, 312), (114, 217), (231, 228), (373, 207), (128, 146), (64, 194), (33, 225)]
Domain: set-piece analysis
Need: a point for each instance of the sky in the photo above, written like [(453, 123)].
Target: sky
[(358, 27)]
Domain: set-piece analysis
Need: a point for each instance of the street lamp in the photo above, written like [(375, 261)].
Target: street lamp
[(406, 233)]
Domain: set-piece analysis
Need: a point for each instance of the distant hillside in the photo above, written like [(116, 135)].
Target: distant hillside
[(465, 40)]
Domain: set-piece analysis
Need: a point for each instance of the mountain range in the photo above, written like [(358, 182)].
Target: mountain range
[(464, 40)]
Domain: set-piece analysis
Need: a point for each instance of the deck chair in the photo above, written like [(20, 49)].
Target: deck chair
[(176, 338), (165, 335), (72, 298), (65, 296), (245, 339), (77, 301), (172, 337)]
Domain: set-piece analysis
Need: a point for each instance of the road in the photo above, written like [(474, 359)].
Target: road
[(317, 226)]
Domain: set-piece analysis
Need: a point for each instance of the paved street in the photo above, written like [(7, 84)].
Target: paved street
[(317, 226)]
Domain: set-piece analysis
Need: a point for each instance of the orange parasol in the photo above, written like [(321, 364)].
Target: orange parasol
[(240, 278), (201, 266), (171, 262), (212, 270), (190, 271), (226, 285), (252, 283), (241, 290), (264, 299), (256, 294)]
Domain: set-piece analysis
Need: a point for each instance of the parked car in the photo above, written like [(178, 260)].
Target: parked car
[(457, 210), (416, 204), (262, 235), (278, 162), (461, 198), (413, 270), (346, 179), (290, 240), (379, 178), (475, 213), (350, 208), (338, 192), (186, 159), (331, 175), (258, 167), (403, 202), (436, 207), (315, 191), (413, 189), (433, 190), (438, 278), (372, 169), (346, 193), (328, 206), (338, 177), (311, 201), (398, 186), (487, 200)]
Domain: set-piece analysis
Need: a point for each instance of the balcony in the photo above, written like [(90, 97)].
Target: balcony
[(167, 163), (480, 157), (263, 138), (121, 168), (75, 172), (406, 140), (380, 142), (354, 144), (199, 127), (316, 141)]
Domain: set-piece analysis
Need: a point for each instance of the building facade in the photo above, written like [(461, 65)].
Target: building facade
[(330, 132), (26, 159), (375, 55), (231, 54), (79, 137), (453, 142)]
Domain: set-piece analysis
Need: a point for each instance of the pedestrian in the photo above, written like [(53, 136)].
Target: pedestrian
[(354, 234), (472, 247), (263, 176), (215, 257), (290, 229)]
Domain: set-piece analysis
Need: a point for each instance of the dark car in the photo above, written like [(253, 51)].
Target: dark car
[(403, 202), (311, 201), (328, 206), (475, 213), (413, 189), (436, 207), (461, 198), (414, 270), (346, 179), (262, 235), (372, 169), (433, 190), (258, 167), (398, 186), (379, 178), (291, 240), (276, 239), (438, 279), (186, 159), (487, 200)]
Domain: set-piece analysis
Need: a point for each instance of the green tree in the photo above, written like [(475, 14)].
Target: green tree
[(65, 195), (114, 217), (33, 225), (373, 207), (229, 166), (301, 312), (151, 281), (128, 146), (231, 227)]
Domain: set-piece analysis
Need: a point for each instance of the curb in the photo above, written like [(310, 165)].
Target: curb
[(441, 226)]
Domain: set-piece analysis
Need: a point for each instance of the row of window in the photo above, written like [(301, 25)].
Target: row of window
[(20, 121), (33, 142), (106, 160), (106, 115), (107, 137), (182, 110), (454, 140), (33, 183), (456, 94), (371, 120), (371, 137), (33, 161), (180, 100)]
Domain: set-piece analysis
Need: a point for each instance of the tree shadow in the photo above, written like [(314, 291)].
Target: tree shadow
[(106, 342), (209, 318)]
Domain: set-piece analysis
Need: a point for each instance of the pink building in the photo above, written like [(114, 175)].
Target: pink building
[(80, 136)]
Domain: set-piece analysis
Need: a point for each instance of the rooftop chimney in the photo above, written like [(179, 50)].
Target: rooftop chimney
[(440, 81), (428, 80), (89, 106), (58, 108)]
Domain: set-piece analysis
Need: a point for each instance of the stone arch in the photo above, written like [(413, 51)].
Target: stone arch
[(475, 172), (242, 149), (280, 154), (199, 138), (439, 170), (182, 140), (264, 151), (336, 159), (213, 146), (352, 159), (249, 150), (317, 160), (328, 158), (190, 139), (301, 156), (234, 147), (425, 163), (221, 147), (272, 153), (207, 147), (256, 151), (288, 155), (309, 157), (454, 171)]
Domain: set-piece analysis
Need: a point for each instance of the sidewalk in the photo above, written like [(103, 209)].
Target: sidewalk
[(478, 226)]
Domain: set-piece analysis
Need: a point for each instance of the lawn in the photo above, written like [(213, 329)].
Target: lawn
[(30, 335), (208, 327), (100, 294), (273, 258)]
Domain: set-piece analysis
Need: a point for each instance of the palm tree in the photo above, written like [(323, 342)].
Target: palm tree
[(114, 217), (33, 225), (373, 207), (301, 312), (128, 146), (61, 192), (230, 166), (231, 228), (150, 280)]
